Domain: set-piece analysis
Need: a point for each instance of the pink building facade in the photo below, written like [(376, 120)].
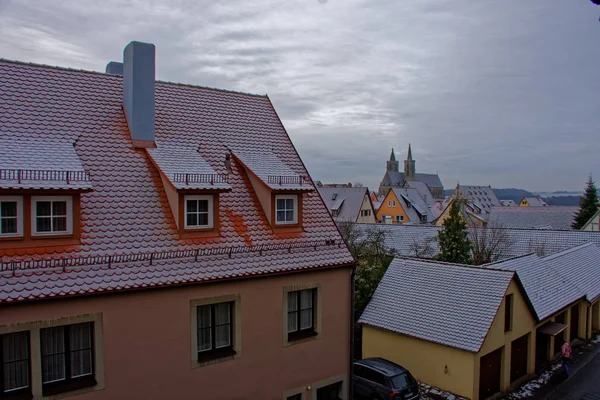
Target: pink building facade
[(160, 241)]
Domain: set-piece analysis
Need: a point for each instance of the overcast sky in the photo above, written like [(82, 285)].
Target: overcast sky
[(503, 93)]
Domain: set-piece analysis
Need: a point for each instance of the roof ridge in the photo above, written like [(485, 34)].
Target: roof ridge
[(437, 262), (567, 251), (87, 71), (509, 259)]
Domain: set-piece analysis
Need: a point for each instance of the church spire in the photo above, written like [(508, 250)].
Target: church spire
[(409, 166), (392, 156), (392, 165)]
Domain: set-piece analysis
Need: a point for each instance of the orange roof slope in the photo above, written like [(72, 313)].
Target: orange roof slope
[(126, 220)]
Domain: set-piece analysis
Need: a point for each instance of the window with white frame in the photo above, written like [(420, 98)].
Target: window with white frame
[(301, 311), (15, 366), (51, 215), (393, 203), (215, 330), (67, 357), (286, 209), (11, 216), (199, 212)]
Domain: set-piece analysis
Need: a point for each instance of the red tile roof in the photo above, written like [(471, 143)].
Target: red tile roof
[(127, 213)]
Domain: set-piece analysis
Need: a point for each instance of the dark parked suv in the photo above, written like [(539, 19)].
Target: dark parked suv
[(379, 379)]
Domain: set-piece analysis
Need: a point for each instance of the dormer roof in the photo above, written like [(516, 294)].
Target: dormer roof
[(34, 162)]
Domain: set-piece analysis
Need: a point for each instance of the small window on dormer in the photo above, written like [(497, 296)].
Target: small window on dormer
[(199, 212), (11, 216), (286, 210), (52, 215)]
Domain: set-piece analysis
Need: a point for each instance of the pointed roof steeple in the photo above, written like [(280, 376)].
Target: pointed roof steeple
[(392, 156), (409, 158)]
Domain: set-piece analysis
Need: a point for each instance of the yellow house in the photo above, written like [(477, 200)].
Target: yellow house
[(532, 202), (463, 329), (404, 205), (476, 331)]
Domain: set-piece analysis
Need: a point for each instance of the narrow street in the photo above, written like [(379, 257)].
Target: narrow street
[(583, 386)]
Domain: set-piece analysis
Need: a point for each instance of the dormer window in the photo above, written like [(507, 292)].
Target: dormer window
[(52, 215), (11, 216), (286, 211), (199, 212)]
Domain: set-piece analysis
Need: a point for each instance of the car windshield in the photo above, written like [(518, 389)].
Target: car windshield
[(403, 380)]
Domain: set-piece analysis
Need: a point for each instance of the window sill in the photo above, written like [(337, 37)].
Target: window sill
[(17, 395), (62, 387), (301, 335), (45, 236), (214, 357)]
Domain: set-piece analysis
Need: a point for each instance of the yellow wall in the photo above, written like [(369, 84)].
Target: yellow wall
[(524, 203), (523, 323), (384, 209), (425, 360)]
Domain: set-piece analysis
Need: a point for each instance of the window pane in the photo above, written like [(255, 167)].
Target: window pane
[(203, 205), (280, 204), (292, 321), (192, 206), (204, 339), (204, 317), (43, 208), (281, 216), (222, 336), (53, 357), (292, 301), (8, 225), (81, 363), (202, 219), (80, 336), (306, 299), (43, 224), (192, 219), (15, 360), (289, 204), (59, 208), (59, 224), (289, 216), (53, 368), (306, 319), (8, 209), (222, 314)]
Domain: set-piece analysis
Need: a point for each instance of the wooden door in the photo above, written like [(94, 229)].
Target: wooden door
[(574, 322), (490, 368), (518, 358)]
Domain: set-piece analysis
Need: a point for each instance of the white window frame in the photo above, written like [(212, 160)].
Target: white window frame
[(393, 203), (36, 199), (211, 209), (287, 197), (19, 201)]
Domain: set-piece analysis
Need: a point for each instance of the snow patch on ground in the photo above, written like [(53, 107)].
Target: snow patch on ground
[(429, 392), (530, 387)]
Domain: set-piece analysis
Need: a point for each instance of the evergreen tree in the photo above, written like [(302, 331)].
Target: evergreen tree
[(454, 238), (589, 205)]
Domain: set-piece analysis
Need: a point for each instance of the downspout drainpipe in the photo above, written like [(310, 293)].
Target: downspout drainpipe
[(352, 327)]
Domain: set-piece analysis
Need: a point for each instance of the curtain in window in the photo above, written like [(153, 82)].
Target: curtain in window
[(292, 311), (204, 328), (53, 354), (306, 305), (222, 325), (80, 336), (15, 360)]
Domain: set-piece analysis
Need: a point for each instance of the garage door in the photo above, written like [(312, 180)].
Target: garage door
[(518, 358), (489, 374)]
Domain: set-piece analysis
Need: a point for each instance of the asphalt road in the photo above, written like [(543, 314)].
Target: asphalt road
[(585, 385)]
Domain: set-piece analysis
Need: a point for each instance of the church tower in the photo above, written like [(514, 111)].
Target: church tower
[(409, 166), (392, 165)]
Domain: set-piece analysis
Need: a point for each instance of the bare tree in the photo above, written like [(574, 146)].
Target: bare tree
[(489, 243), (539, 247), (424, 247)]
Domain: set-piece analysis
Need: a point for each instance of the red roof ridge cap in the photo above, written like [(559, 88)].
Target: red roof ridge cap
[(210, 88), (31, 64)]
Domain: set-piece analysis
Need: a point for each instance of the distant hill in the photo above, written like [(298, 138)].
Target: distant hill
[(505, 194), (562, 200)]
